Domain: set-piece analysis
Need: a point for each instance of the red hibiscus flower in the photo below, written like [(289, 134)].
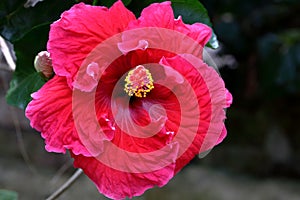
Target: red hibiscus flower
[(131, 99)]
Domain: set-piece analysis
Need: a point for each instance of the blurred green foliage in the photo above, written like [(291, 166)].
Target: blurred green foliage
[(25, 79), (16, 20), (8, 195), (27, 29)]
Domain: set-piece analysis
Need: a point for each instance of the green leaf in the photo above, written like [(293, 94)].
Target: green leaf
[(192, 11), (16, 20), (20, 89), (25, 79), (8, 195)]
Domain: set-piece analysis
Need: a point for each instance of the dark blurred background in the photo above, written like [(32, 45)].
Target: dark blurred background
[(259, 60), (264, 39)]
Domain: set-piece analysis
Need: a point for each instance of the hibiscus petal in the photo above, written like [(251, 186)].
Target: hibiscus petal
[(89, 80), (92, 129), (228, 98), (116, 184), (160, 15), (79, 31), (212, 98), (140, 126), (198, 31), (50, 112), (128, 144), (156, 15), (222, 135)]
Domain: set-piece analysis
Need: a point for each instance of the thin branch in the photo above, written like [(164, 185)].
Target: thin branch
[(11, 67), (66, 185), (20, 140), (61, 171), (18, 131)]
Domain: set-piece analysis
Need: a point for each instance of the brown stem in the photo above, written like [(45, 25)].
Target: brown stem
[(66, 185)]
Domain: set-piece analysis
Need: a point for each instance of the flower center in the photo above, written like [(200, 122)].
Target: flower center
[(138, 82)]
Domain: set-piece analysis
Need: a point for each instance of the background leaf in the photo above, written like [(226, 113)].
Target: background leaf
[(109, 3), (16, 20), (25, 79), (192, 11), (20, 89), (8, 195)]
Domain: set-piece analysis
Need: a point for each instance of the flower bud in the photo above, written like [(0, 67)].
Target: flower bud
[(43, 64)]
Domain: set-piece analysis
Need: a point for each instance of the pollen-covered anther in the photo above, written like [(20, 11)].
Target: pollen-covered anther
[(138, 82)]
